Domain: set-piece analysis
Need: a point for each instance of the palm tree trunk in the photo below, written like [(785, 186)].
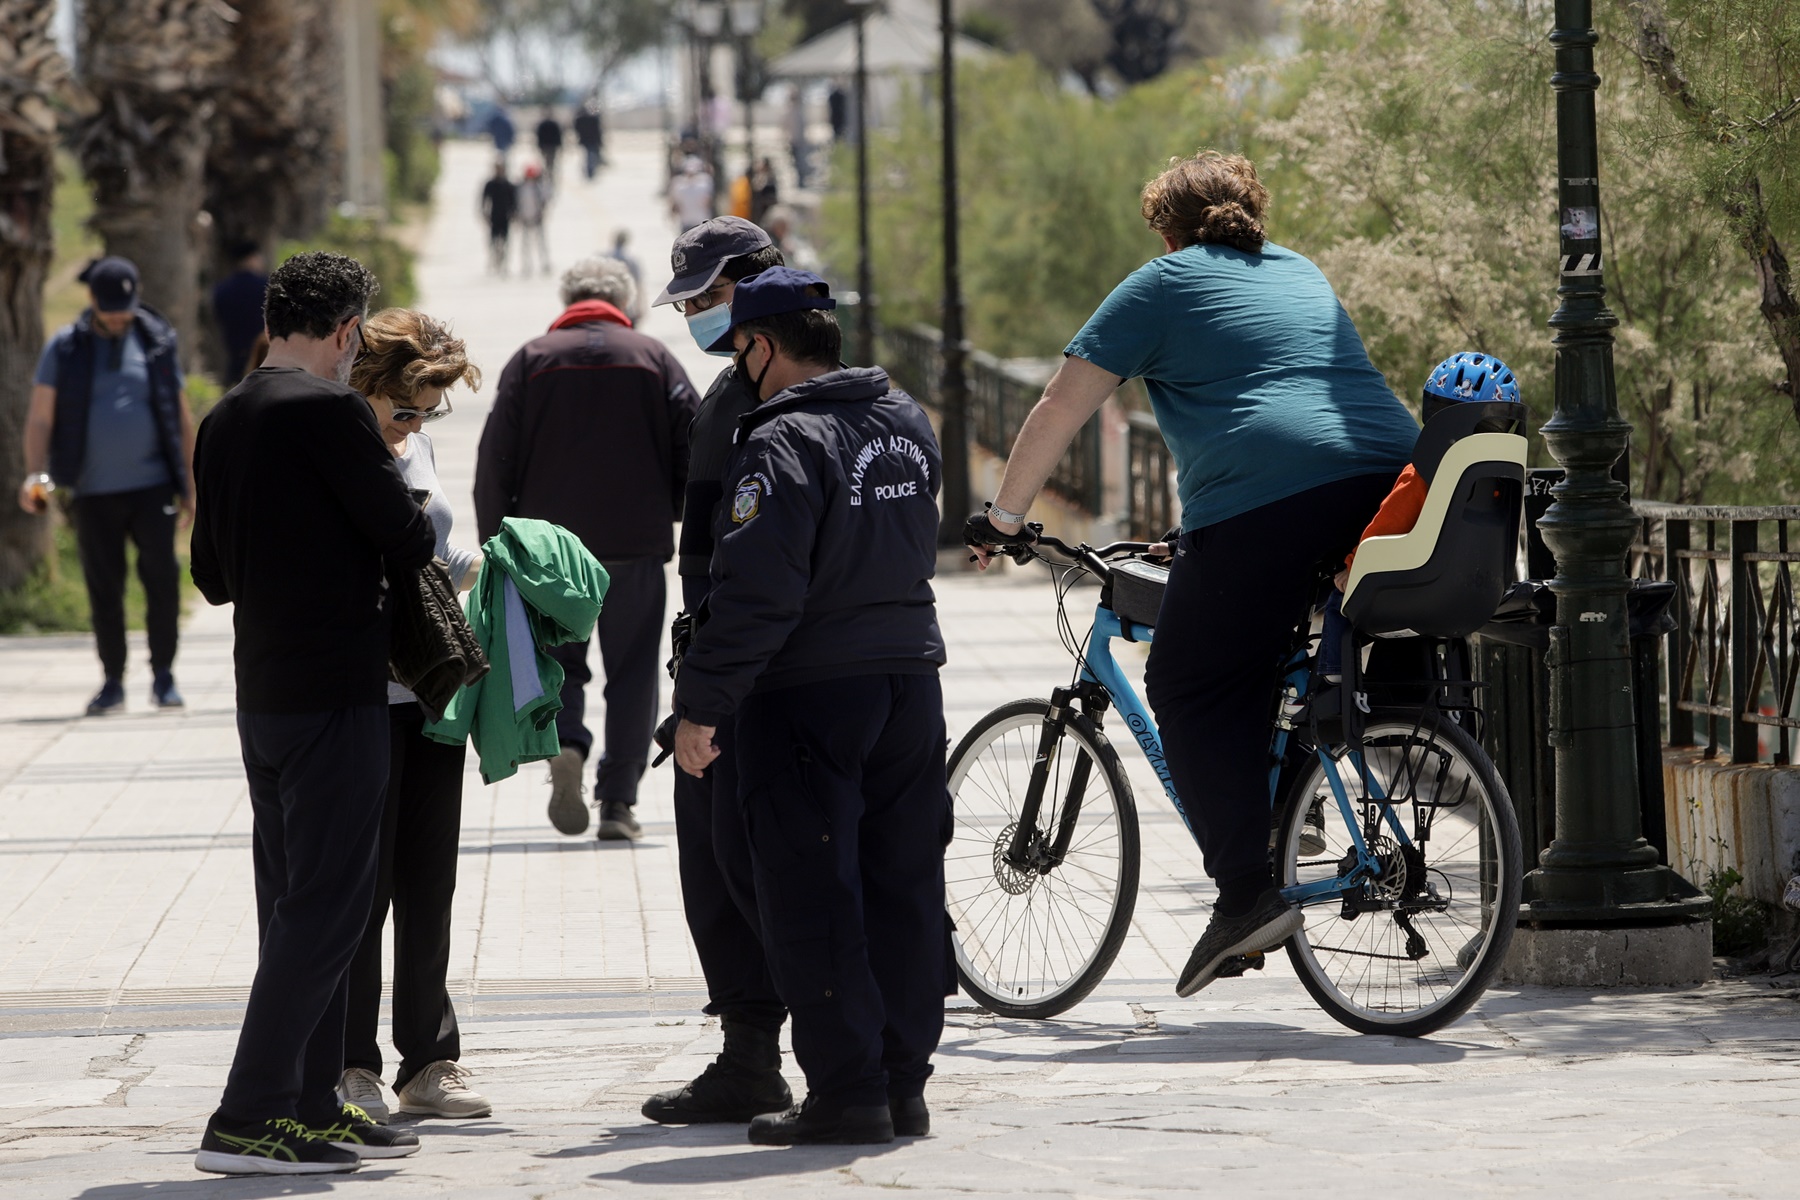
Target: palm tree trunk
[(32, 73), (155, 66)]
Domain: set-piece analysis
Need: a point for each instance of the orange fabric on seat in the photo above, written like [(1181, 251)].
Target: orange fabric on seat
[(1399, 512)]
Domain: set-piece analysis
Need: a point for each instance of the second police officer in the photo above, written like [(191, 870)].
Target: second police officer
[(821, 615)]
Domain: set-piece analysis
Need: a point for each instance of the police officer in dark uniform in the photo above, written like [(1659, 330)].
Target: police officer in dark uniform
[(821, 638), (714, 859)]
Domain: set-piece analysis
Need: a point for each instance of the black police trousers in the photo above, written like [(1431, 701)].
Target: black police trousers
[(102, 523), (316, 784), (1236, 592), (842, 783)]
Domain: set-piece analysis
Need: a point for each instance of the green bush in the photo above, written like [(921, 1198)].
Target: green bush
[(1740, 923), (54, 598), (368, 242)]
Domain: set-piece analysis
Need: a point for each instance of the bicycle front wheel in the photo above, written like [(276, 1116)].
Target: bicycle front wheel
[(1034, 937), (1406, 952)]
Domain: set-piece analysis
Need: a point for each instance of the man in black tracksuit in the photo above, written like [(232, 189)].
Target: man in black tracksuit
[(822, 617), (717, 894)]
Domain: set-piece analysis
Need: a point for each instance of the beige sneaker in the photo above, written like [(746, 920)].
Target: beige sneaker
[(568, 811), (442, 1090), (362, 1087)]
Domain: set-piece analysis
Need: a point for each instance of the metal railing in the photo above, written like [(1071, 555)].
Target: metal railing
[(1149, 480), (1734, 656), (1000, 394)]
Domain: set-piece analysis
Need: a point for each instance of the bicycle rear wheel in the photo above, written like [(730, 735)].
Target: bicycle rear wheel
[(1033, 940), (1409, 952)]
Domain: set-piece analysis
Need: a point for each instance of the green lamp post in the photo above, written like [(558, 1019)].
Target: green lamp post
[(1599, 870)]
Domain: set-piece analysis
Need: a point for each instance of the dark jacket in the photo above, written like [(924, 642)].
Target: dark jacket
[(300, 515), (712, 442), (433, 652), (826, 544), (75, 394), (589, 430)]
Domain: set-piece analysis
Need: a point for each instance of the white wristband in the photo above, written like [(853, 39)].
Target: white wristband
[(996, 513)]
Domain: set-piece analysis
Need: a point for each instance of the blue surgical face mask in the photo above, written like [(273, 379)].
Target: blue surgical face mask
[(709, 326)]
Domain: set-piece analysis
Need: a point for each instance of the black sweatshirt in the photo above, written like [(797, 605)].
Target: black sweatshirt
[(298, 504)]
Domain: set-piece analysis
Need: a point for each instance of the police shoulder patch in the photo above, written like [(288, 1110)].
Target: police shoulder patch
[(747, 502)]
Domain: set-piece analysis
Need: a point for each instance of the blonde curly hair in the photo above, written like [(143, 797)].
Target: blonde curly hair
[(1210, 198), (404, 352)]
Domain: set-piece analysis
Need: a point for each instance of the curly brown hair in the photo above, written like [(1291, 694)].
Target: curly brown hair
[(1210, 198), (404, 352)]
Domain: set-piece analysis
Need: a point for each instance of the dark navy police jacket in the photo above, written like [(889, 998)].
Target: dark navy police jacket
[(75, 394), (826, 541)]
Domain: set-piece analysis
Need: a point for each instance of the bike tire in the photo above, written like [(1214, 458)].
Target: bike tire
[(1363, 986), (1013, 960)]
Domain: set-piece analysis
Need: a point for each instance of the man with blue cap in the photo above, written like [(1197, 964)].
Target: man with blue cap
[(820, 639), (109, 419)]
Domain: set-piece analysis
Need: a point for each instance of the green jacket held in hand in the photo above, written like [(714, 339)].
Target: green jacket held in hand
[(510, 715)]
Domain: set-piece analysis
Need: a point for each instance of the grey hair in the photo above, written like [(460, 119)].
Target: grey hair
[(599, 278)]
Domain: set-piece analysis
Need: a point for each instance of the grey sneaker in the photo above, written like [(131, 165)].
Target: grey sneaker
[(618, 823), (1269, 923), (568, 811), (442, 1090), (362, 1087)]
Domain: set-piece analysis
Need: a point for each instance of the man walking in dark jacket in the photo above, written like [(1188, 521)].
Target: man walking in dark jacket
[(717, 894), (822, 638), (109, 418), (290, 469), (589, 430)]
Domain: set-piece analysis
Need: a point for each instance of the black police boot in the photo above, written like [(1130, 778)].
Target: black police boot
[(813, 1124), (742, 1082), (911, 1117)]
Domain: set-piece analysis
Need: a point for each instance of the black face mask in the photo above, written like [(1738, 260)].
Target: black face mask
[(742, 363)]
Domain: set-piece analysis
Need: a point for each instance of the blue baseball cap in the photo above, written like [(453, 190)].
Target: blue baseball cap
[(702, 252), (114, 283), (773, 292)]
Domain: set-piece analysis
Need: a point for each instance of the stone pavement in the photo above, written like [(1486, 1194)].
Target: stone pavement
[(129, 942)]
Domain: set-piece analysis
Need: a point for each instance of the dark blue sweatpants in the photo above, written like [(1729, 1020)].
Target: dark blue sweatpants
[(842, 783), (317, 785)]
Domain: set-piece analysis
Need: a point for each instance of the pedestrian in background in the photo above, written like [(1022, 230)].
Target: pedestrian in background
[(109, 418), (237, 303), (531, 200), (500, 128), (765, 192), (592, 136), (691, 193), (718, 896), (822, 640), (589, 430), (407, 364), (302, 514), (549, 143), (621, 239), (798, 145), (499, 203)]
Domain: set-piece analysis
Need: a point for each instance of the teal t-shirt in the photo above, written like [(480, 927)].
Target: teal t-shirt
[(1259, 380)]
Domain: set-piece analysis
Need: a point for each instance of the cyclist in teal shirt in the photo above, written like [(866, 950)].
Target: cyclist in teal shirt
[(1285, 439)]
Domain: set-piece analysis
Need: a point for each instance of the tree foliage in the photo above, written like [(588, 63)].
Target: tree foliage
[(1410, 148), (536, 35)]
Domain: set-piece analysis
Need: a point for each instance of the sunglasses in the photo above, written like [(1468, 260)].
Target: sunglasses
[(711, 298), (402, 415)]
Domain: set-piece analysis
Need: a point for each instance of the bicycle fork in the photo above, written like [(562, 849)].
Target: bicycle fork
[(1029, 850)]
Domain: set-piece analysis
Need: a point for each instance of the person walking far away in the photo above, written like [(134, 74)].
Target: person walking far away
[(407, 363), (589, 431), (237, 302), (718, 896), (531, 199), (1285, 440), (500, 127), (499, 204), (822, 639), (799, 146), (549, 143), (691, 193), (622, 239), (109, 418), (592, 136), (301, 514)]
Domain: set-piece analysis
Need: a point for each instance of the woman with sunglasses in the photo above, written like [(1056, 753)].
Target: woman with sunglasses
[(407, 362)]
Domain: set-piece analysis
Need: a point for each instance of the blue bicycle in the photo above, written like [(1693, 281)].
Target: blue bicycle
[(1391, 829)]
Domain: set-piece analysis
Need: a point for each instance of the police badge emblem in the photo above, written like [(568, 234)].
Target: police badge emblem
[(747, 502)]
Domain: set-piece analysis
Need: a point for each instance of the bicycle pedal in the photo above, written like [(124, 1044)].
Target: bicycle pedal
[(1237, 964)]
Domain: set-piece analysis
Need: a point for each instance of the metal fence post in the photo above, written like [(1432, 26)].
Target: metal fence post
[(1676, 534), (1745, 633)]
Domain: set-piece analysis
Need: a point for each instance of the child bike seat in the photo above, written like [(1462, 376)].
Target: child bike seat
[(1445, 576)]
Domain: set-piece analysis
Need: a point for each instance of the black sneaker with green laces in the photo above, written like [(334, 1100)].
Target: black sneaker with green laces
[(282, 1146), (355, 1132)]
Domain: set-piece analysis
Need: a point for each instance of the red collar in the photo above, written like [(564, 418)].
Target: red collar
[(584, 311)]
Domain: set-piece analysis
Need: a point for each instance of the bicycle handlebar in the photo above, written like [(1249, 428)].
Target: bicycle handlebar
[(1093, 558)]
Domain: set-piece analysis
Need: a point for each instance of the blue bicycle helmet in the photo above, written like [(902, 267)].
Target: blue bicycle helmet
[(1472, 376)]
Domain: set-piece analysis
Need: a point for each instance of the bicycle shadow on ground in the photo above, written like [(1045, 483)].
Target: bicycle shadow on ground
[(686, 1167)]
